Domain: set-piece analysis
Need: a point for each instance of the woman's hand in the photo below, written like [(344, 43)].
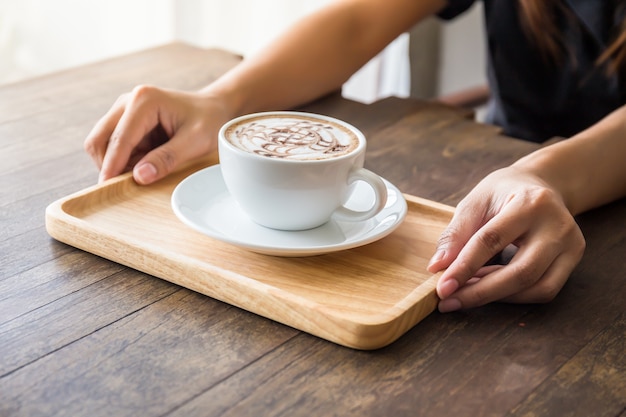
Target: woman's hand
[(511, 206), (153, 131)]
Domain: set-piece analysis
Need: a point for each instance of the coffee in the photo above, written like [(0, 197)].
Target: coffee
[(294, 170), (294, 137)]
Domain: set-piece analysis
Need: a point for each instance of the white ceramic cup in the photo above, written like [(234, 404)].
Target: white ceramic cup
[(294, 170)]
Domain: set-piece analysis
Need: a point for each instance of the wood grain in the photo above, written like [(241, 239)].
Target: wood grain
[(178, 346), (337, 296), (597, 371), (83, 336)]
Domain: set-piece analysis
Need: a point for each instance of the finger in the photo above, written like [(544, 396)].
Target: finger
[(188, 143), (97, 140), (527, 268), (467, 218), (550, 284), (137, 121), (482, 272), (487, 242), (157, 137), (486, 270)]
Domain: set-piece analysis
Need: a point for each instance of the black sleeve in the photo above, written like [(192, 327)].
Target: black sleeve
[(455, 8)]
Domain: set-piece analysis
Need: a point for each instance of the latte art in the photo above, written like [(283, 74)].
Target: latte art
[(292, 137), (295, 170)]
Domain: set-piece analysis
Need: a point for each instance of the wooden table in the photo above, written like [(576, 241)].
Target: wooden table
[(84, 336)]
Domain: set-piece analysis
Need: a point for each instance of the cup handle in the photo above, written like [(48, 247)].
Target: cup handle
[(380, 190)]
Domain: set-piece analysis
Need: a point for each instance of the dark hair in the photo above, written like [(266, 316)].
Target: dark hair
[(539, 18)]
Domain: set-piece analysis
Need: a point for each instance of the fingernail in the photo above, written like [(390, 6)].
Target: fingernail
[(145, 173), (103, 176), (449, 304), (448, 288), (436, 257)]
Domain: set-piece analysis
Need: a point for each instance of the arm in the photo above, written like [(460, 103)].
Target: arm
[(530, 205), (589, 169), (153, 131), (319, 53)]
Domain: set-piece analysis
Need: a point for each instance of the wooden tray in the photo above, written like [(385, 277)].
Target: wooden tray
[(363, 298)]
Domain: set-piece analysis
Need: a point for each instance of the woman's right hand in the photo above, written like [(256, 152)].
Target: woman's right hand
[(153, 131)]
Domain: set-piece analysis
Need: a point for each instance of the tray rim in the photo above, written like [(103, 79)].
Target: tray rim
[(392, 322)]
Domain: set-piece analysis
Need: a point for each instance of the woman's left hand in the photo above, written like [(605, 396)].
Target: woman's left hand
[(509, 207)]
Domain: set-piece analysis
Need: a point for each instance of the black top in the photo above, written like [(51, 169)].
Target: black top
[(534, 98)]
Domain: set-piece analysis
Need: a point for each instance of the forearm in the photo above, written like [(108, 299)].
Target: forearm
[(589, 169), (318, 53)]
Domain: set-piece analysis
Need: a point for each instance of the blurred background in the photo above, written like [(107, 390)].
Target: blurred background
[(42, 36)]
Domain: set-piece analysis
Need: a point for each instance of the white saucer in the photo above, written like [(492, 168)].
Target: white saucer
[(202, 202)]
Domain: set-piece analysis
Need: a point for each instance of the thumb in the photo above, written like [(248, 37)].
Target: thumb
[(449, 245), (156, 164), (184, 146), (466, 221)]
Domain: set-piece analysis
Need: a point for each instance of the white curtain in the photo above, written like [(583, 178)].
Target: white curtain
[(388, 74), (40, 36), (251, 24)]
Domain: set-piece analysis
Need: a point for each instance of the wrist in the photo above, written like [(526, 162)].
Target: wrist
[(555, 167), (224, 94)]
